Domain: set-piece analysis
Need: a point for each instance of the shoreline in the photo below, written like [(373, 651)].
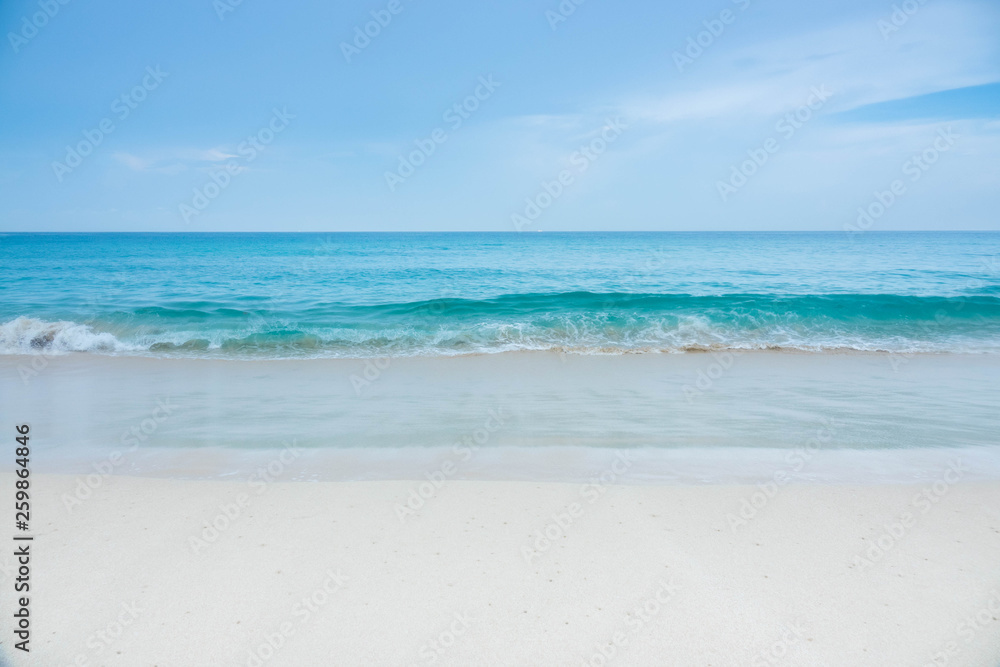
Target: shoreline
[(810, 463), (688, 418), (25, 359)]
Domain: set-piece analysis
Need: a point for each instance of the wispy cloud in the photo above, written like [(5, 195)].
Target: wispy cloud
[(951, 46), (173, 161), (958, 103)]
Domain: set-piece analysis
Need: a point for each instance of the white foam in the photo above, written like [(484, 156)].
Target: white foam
[(27, 335)]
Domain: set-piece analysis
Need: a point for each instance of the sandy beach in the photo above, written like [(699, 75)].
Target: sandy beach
[(330, 573), (192, 512)]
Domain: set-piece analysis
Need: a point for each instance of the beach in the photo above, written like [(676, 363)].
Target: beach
[(479, 536), (326, 573)]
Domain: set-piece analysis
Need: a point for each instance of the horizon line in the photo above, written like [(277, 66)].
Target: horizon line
[(538, 231)]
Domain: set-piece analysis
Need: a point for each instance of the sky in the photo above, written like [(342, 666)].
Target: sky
[(541, 115)]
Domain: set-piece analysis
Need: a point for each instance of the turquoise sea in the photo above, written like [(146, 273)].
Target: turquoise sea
[(358, 295), (377, 353)]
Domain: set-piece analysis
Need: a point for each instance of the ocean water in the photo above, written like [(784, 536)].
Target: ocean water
[(363, 295), (226, 330)]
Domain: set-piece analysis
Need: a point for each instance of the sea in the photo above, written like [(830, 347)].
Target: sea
[(377, 295), (702, 357)]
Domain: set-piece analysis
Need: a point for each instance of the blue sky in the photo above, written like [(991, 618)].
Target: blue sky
[(610, 116)]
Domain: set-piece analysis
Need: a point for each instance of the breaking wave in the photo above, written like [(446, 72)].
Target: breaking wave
[(574, 322)]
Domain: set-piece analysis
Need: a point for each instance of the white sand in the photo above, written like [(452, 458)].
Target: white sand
[(116, 582)]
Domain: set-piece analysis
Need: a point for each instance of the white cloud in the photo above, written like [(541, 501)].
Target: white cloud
[(943, 46), (174, 160), (131, 161)]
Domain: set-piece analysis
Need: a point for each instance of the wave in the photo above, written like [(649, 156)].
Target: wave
[(844, 304), (25, 335), (573, 322)]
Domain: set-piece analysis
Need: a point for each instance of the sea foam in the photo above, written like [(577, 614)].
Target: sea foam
[(26, 335)]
